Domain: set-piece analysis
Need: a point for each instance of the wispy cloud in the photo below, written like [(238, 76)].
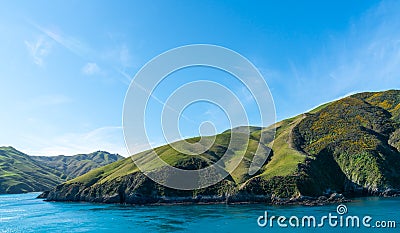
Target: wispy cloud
[(366, 57), (38, 49), (45, 101), (153, 96), (91, 68), (72, 44), (371, 55), (118, 56), (125, 57), (109, 138), (246, 95), (104, 138), (125, 78)]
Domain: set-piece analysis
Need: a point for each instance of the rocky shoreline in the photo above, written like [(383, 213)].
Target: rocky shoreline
[(333, 198), (208, 199), (136, 189)]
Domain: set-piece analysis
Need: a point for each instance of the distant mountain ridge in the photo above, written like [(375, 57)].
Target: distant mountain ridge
[(21, 173), (349, 146), (76, 165)]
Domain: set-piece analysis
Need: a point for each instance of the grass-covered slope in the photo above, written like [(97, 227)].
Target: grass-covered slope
[(358, 136), (349, 146), (20, 173), (74, 166), (122, 180)]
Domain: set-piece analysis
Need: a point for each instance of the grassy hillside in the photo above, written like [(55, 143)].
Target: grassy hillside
[(20, 173), (23, 173), (174, 158), (354, 133), (349, 146), (73, 166)]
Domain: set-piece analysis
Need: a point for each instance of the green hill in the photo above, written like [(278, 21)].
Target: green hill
[(349, 146), (20, 172), (74, 166)]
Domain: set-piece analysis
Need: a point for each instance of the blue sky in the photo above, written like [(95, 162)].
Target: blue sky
[(66, 66)]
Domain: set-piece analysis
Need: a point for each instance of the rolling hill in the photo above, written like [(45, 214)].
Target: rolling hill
[(349, 146), (74, 166), (21, 173)]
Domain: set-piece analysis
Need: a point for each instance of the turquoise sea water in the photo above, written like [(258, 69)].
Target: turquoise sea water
[(25, 213)]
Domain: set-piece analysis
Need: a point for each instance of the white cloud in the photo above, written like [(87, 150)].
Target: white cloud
[(109, 138), (118, 58), (38, 50), (91, 68), (125, 56)]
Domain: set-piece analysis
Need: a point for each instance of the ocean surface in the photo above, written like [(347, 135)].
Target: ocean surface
[(25, 213)]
